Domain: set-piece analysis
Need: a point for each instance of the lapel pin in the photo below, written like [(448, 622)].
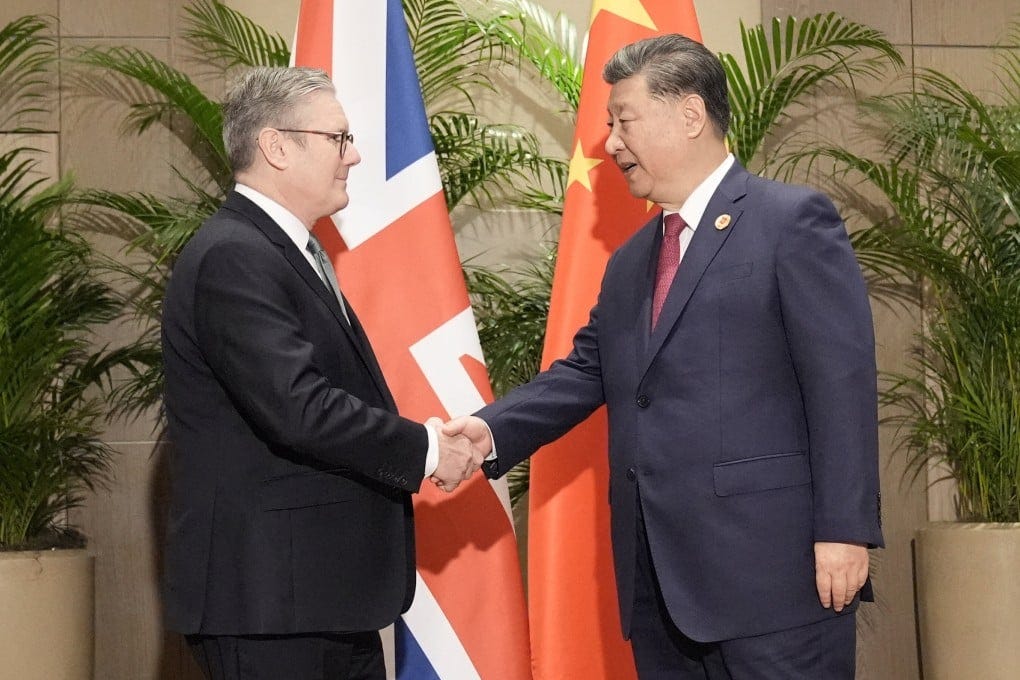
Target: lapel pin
[(722, 221)]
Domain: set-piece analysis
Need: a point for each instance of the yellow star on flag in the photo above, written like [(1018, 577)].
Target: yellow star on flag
[(580, 166), (631, 10)]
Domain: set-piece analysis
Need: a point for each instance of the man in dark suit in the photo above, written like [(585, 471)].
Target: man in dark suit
[(290, 539), (732, 342)]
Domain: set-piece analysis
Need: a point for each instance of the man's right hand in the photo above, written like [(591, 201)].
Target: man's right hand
[(472, 427), (458, 458)]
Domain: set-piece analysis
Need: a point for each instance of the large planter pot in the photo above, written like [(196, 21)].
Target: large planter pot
[(46, 615), (968, 595)]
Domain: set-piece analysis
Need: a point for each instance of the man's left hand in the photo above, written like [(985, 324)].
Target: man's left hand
[(840, 572)]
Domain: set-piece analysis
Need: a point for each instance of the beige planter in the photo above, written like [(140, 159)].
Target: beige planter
[(968, 596), (46, 615)]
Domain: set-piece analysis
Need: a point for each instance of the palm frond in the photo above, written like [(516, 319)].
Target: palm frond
[(481, 161), (511, 307), (158, 226), (549, 42), (26, 56), (449, 52), (1009, 71), (225, 38), (785, 65)]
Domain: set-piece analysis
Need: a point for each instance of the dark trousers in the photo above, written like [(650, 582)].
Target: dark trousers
[(818, 651), (314, 656)]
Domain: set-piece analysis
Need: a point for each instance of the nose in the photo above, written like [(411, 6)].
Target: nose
[(613, 143), (351, 155)]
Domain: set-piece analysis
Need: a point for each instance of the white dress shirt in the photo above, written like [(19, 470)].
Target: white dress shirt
[(694, 207)]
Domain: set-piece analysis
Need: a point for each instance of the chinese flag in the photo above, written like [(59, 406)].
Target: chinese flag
[(575, 623)]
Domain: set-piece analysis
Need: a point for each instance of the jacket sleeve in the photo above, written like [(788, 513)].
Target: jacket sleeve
[(548, 406), (827, 318), (253, 340)]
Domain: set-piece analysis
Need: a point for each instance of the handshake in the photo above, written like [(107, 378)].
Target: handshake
[(464, 443)]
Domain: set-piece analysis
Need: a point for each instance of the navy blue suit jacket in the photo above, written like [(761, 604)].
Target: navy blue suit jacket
[(290, 510), (745, 424)]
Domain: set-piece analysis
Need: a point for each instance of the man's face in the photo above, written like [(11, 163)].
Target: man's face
[(650, 141), (318, 177)]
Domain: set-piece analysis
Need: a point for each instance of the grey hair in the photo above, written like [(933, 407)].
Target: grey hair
[(265, 96), (674, 65)]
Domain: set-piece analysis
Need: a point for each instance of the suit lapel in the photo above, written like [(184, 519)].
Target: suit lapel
[(642, 292), (701, 251), (276, 235)]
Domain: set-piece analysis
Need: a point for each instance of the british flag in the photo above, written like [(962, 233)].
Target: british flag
[(395, 255)]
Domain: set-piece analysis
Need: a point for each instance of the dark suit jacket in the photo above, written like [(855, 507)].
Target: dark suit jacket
[(744, 424), (290, 509)]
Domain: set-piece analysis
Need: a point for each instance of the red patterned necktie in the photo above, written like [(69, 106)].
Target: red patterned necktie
[(669, 262)]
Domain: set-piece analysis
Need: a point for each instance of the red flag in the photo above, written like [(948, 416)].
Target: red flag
[(396, 260), (575, 622)]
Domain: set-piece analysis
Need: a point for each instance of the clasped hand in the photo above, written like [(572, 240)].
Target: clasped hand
[(463, 445)]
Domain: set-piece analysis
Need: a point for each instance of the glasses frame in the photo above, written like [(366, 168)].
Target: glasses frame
[(342, 138)]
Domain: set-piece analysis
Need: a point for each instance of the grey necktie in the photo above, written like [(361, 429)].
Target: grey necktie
[(325, 271)]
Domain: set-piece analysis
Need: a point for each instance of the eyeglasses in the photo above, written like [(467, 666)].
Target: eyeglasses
[(341, 139)]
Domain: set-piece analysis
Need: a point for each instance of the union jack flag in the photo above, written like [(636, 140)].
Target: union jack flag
[(395, 255)]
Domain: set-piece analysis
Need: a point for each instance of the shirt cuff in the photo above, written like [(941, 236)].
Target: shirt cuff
[(432, 455), (492, 438)]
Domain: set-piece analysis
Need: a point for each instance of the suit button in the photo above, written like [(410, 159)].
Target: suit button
[(631, 474), (643, 401)]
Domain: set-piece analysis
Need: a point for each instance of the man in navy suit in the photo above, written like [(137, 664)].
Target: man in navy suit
[(290, 539), (732, 343)]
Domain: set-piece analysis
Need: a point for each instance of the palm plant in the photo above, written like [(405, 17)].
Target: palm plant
[(950, 168), (791, 62), (50, 417)]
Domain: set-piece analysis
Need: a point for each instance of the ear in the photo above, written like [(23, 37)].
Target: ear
[(271, 145), (695, 116)]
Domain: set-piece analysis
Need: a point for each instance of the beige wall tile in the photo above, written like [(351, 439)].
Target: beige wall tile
[(125, 527), (92, 143), (116, 18), (43, 150), (12, 9), (892, 18), (720, 22), (277, 17), (973, 67), (950, 22), (504, 238)]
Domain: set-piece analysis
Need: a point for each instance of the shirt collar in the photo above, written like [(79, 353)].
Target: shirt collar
[(293, 227), (694, 207)]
